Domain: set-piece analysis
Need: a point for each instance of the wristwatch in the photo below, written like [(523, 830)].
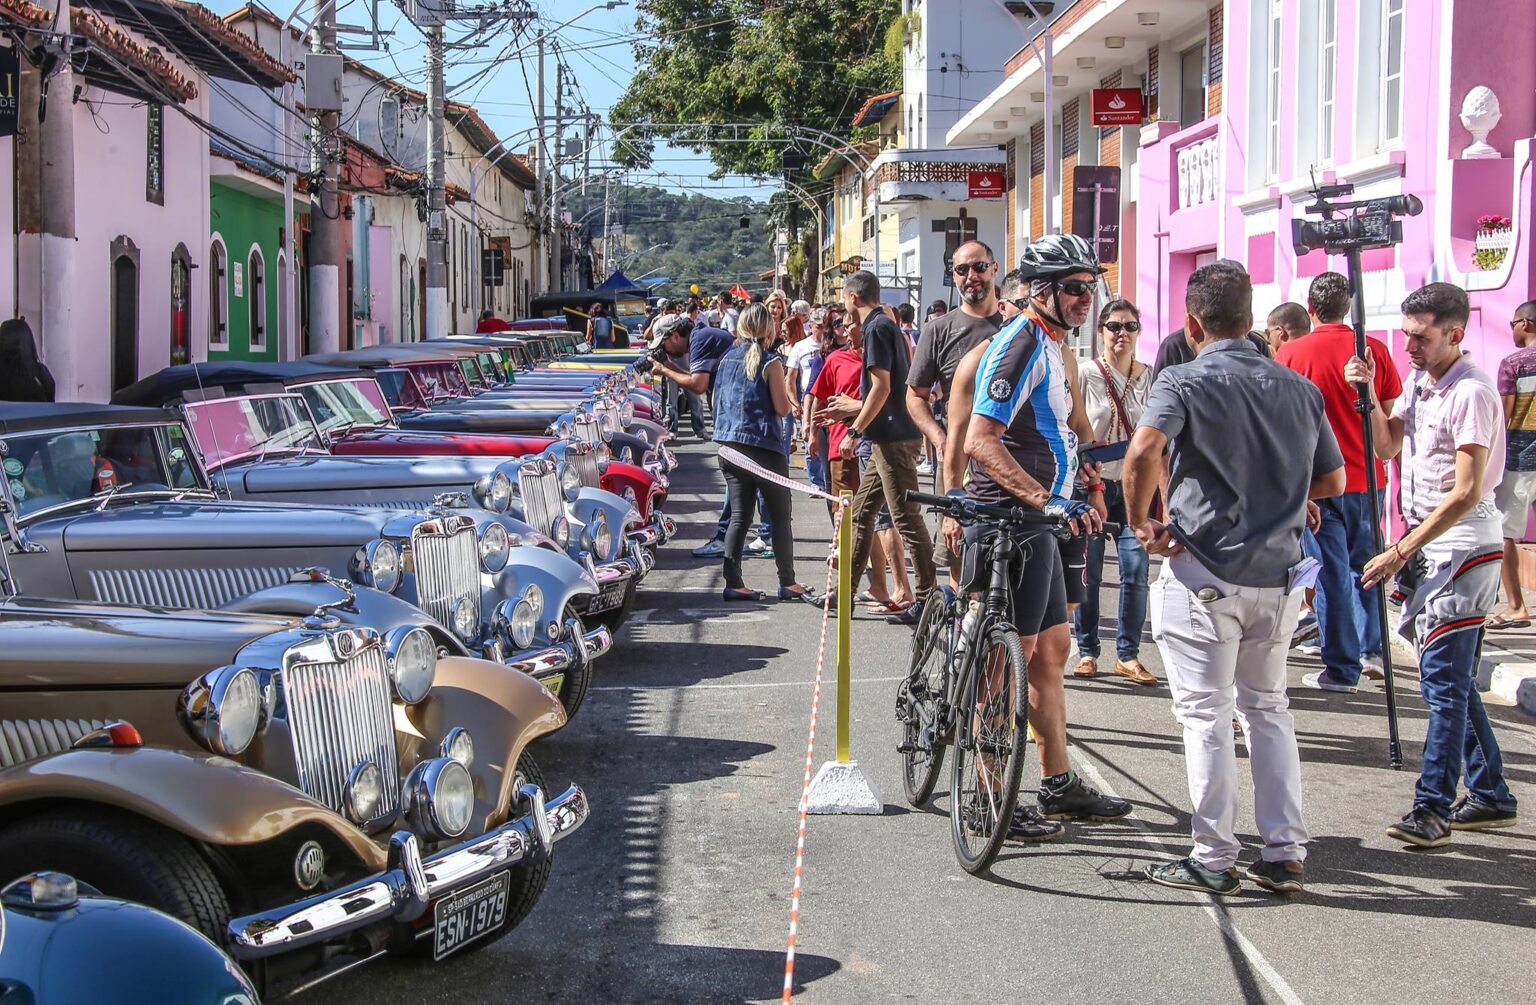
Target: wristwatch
[(854, 434)]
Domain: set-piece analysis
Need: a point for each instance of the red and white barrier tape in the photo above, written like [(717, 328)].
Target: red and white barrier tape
[(735, 457), (810, 761)]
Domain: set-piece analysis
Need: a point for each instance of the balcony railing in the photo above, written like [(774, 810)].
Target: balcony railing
[(942, 172)]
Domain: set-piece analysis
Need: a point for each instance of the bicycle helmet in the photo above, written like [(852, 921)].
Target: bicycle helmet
[(1049, 259)]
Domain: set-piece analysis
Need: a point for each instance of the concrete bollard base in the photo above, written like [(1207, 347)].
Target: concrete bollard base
[(841, 787)]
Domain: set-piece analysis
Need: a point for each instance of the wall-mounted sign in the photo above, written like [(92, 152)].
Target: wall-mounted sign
[(1096, 209), (154, 160), (237, 275), (984, 184), (1117, 106), (10, 83)]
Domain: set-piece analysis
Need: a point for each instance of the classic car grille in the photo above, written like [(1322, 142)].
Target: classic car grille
[(588, 429), (340, 714), (585, 463), (447, 568), (27, 739), (541, 497), (185, 587)]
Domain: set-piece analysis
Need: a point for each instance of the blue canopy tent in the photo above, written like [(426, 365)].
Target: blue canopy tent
[(622, 284)]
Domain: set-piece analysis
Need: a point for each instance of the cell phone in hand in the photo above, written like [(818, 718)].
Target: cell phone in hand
[(1107, 452)]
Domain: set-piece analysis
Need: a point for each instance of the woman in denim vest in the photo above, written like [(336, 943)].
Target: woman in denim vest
[(750, 405)]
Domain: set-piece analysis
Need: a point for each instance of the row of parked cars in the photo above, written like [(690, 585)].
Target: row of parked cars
[(276, 639)]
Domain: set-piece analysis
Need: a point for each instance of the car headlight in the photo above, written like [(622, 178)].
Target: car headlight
[(223, 709), (412, 662), (365, 792), (628, 455), (495, 547), (377, 564), (598, 538), (465, 623), (561, 532), (459, 746), (570, 481), (441, 798), (565, 429), (627, 412), (604, 455), (495, 492), (523, 625), (630, 497), (535, 598)]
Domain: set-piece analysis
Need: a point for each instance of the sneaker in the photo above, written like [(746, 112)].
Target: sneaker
[(1077, 800), (1187, 874), (1468, 814), (1423, 827), (1029, 827), (1277, 877), (1372, 667), (925, 467), (1309, 649), (1322, 682), (758, 546), (1306, 629), (710, 549)]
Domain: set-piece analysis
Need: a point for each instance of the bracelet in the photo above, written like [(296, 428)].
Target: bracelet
[(1099, 487), (1397, 550)]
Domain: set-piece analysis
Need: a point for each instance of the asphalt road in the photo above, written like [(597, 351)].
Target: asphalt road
[(692, 748)]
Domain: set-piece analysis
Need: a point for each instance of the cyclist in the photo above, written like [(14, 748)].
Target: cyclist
[(1016, 416)]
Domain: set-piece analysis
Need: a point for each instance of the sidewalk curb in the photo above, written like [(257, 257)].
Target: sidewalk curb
[(1506, 676)]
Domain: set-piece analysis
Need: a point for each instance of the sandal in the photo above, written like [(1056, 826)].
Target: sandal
[(1497, 621), (1086, 667), (742, 596), (887, 607)]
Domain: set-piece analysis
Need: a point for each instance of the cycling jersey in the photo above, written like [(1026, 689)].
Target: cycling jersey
[(1022, 383)]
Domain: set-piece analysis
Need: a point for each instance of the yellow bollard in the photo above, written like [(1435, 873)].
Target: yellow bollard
[(845, 581)]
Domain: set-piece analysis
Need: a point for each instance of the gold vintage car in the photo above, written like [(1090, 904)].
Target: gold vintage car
[(304, 792)]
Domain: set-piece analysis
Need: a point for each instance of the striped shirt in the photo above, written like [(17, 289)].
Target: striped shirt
[(1022, 383)]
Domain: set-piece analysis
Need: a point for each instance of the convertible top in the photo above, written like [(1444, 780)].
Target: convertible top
[(374, 356), (28, 416), (206, 380)]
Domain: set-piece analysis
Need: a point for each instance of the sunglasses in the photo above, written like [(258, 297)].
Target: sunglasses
[(975, 268), (1116, 327), (1019, 303), (1076, 287)]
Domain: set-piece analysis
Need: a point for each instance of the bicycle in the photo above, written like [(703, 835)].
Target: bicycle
[(967, 687)]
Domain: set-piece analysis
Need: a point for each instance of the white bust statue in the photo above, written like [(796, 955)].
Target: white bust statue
[(1480, 113)]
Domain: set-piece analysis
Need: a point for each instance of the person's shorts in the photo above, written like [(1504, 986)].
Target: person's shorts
[(1039, 589), (1074, 567), (1514, 497), (845, 475)]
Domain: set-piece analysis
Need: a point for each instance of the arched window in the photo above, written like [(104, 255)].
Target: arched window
[(181, 306), (218, 296), (123, 293), (256, 299)]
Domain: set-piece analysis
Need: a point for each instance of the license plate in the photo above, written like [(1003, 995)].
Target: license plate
[(553, 683), (611, 597), (463, 917)]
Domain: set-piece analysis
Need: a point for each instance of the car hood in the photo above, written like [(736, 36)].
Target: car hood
[(405, 441), (69, 644), (328, 472), (172, 526)]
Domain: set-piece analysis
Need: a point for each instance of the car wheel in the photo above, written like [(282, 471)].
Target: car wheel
[(122, 856), (577, 683)]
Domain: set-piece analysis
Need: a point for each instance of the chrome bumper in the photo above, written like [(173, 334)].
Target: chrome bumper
[(596, 642), (410, 884), (657, 531)]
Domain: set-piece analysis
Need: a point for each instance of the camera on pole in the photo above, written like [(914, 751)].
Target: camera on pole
[(1347, 228)]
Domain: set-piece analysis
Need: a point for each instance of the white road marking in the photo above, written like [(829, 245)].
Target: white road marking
[(1223, 922), (730, 687)]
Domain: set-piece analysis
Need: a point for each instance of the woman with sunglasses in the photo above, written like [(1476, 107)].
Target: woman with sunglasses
[(1115, 387)]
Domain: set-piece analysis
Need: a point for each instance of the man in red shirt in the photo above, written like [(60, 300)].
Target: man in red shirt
[(1347, 614), (490, 324)]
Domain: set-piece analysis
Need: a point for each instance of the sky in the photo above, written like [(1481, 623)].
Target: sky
[(499, 78)]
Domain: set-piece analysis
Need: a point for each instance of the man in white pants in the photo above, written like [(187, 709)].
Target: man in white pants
[(1249, 448)]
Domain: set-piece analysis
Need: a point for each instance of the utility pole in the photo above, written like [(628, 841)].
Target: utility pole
[(557, 260), (325, 242), (586, 176), (541, 174), (438, 321)]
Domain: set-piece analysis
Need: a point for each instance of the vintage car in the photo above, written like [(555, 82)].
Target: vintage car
[(261, 444), (65, 943), (110, 503), (308, 793)]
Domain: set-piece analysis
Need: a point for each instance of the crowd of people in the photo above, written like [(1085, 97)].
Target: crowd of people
[(1237, 457)]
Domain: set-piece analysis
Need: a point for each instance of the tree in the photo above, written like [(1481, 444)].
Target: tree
[(781, 62)]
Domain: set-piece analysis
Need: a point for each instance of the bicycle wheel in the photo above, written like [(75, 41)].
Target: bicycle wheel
[(990, 748), (918, 700)]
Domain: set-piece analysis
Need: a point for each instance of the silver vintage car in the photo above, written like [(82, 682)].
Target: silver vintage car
[(105, 502)]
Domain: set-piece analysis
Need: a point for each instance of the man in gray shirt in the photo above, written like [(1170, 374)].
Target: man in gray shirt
[(1250, 447)]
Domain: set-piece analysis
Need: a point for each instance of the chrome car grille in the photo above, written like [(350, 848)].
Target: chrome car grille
[(185, 587), (340, 714), (588, 429), (585, 463), (447, 568), (541, 495)]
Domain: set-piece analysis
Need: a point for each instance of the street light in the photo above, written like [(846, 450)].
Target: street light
[(1038, 9)]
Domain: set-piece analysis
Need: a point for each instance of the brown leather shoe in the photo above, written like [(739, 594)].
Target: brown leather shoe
[(1133, 671), (1086, 667)]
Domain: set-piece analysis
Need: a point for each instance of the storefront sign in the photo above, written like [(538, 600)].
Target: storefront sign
[(154, 161), (984, 184), (1117, 106), (10, 84), (1096, 209)]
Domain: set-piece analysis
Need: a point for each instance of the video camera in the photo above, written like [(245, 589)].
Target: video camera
[(1371, 223)]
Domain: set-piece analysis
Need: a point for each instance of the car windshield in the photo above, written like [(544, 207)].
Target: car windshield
[(51, 468), (232, 429), (346, 404), (521, 358), (490, 363), (439, 379), (470, 368), (400, 389)]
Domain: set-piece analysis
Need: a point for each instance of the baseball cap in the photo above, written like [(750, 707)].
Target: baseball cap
[(663, 303), (672, 325)]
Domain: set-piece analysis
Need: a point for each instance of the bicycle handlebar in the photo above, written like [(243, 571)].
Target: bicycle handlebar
[(961, 506)]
